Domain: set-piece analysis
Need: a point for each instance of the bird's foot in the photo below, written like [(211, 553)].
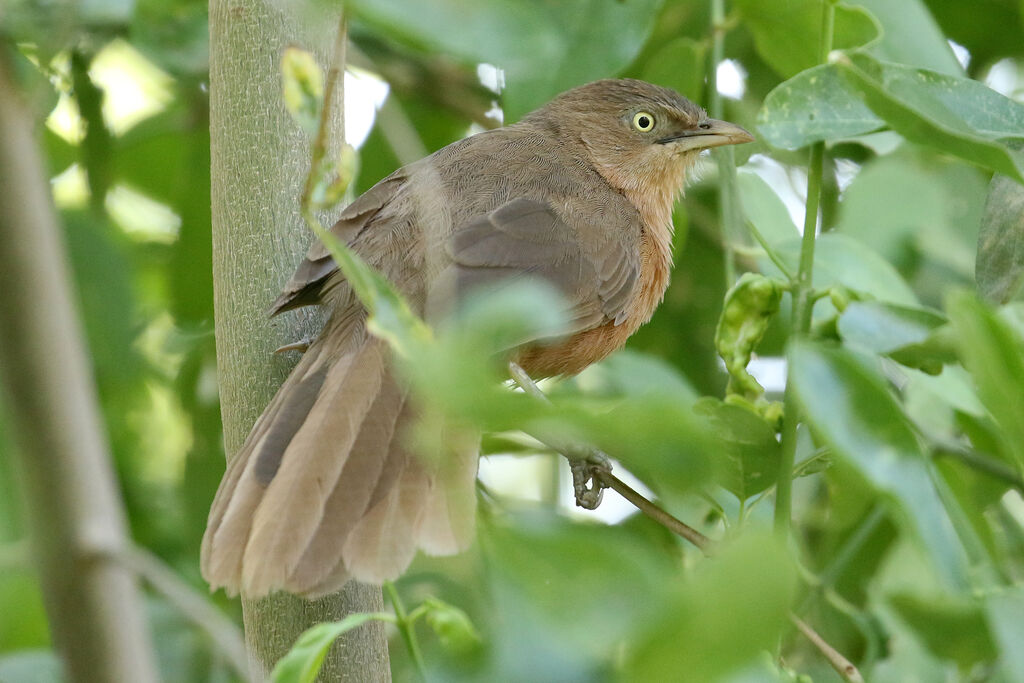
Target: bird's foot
[(586, 480)]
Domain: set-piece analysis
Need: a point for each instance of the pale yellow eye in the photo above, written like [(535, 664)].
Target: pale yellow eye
[(643, 121)]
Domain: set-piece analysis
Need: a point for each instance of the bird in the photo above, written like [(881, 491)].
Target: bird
[(579, 193)]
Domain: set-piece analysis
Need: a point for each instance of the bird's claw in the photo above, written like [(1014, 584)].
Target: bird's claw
[(586, 482), (301, 346)]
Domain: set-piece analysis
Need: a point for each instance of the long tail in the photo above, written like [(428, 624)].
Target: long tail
[(325, 487)]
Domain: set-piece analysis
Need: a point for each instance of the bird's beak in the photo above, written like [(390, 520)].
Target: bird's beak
[(710, 133)]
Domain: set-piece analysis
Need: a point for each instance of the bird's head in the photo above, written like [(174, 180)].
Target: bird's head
[(641, 137)]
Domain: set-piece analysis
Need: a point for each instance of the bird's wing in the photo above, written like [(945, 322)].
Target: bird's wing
[(304, 287), (595, 266)]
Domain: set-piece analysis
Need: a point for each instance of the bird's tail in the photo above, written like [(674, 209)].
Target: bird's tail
[(326, 488)]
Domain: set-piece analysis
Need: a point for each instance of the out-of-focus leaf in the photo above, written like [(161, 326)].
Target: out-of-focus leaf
[(1000, 265), (787, 35), (842, 260), (848, 405), (733, 607), (303, 84), (452, 626), (1005, 612), (543, 48), (304, 659), (630, 373), (994, 355), (989, 29), (911, 36), (592, 585), (765, 209), (950, 628), (955, 115), (882, 327), (749, 443), (679, 64)]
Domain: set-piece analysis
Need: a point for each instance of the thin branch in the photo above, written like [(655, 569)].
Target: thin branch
[(656, 513), (803, 303), (191, 604), (405, 624), (335, 81), (599, 469), (843, 666), (770, 251)]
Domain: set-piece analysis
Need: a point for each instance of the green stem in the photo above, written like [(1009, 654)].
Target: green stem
[(406, 627), (803, 302), (726, 157)]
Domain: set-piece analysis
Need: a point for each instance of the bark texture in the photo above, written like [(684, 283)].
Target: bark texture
[(260, 159), (74, 511)]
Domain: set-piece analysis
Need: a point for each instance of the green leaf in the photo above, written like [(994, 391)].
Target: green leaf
[(949, 627), (815, 105), (1006, 620), (859, 94), (544, 48), (911, 36), (732, 607), (390, 315), (955, 115), (882, 327), (452, 626), (842, 260), (994, 355), (850, 408), (577, 582), (749, 443), (1000, 265), (787, 34), (303, 661)]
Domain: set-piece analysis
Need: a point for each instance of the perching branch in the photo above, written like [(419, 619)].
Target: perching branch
[(597, 465)]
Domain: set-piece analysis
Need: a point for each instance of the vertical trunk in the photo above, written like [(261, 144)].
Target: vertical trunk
[(75, 517), (259, 162)]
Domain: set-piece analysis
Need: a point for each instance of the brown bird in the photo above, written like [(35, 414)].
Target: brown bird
[(580, 193)]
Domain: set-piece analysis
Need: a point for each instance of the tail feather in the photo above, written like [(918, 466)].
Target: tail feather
[(293, 504), (322, 562), (324, 489)]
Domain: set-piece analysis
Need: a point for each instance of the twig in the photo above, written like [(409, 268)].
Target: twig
[(770, 251), (595, 465), (191, 604), (406, 627), (841, 664), (337, 66), (656, 513)]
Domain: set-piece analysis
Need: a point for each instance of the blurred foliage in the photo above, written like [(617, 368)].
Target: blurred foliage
[(907, 550)]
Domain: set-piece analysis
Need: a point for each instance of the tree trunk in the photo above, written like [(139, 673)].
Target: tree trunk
[(74, 514), (260, 159)]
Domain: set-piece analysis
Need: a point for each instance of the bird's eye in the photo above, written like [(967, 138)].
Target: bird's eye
[(643, 121), (705, 126)]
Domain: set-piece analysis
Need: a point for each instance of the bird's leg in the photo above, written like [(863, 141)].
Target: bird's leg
[(586, 464), (301, 346), (586, 471)]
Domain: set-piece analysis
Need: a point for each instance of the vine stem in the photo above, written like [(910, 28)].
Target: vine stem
[(803, 302), (406, 628), (728, 206)]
